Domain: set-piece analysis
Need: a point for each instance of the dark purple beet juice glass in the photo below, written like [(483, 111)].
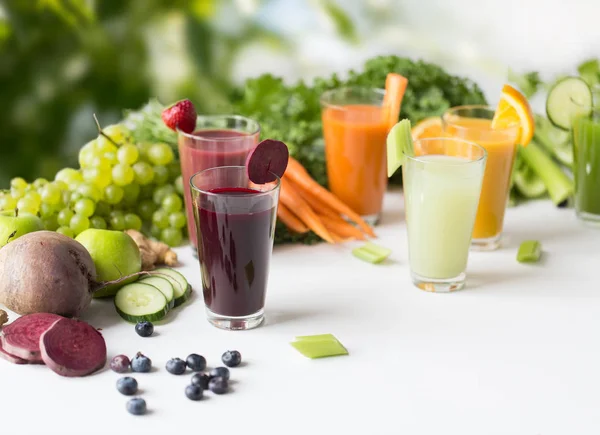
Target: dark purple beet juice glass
[(219, 140), (235, 225)]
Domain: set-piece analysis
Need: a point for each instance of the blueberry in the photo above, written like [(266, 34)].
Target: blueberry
[(194, 392), (136, 406), (218, 385), (141, 363), (220, 372), (127, 386), (176, 366), (231, 358), (120, 364), (144, 329), (196, 362), (201, 379)]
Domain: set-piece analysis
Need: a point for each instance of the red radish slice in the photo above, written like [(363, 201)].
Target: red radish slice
[(22, 337), (9, 357), (268, 158), (73, 348)]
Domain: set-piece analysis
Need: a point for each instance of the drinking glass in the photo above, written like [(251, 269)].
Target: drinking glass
[(474, 123), (355, 128), (442, 184), (235, 223), (219, 140)]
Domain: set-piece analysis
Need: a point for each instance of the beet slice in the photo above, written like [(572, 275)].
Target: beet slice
[(267, 158), (73, 348), (22, 337), (9, 357)]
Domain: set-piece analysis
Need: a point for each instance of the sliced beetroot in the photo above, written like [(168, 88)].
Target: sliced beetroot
[(22, 337), (268, 158), (73, 348), (10, 357)]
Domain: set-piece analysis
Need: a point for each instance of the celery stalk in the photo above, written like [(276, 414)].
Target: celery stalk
[(560, 187), (530, 251)]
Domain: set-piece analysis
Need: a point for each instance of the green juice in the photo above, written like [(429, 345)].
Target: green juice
[(586, 166)]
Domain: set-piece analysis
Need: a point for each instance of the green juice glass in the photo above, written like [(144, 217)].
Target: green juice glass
[(586, 163), (442, 185)]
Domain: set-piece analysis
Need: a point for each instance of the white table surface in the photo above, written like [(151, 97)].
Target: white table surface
[(517, 352)]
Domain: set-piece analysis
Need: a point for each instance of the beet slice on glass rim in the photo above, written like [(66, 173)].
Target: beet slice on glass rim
[(267, 158)]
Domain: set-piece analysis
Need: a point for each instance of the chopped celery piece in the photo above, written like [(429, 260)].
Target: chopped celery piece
[(529, 252), (319, 346), (371, 253)]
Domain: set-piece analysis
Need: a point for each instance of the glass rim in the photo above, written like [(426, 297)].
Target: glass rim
[(487, 107), (277, 183), (378, 91), (215, 117), (452, 139)]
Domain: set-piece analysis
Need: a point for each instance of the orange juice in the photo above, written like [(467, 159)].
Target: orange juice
[(474, 123), (355, 152)]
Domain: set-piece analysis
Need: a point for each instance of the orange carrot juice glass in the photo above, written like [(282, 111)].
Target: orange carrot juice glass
[(355, 127), (474, 123)]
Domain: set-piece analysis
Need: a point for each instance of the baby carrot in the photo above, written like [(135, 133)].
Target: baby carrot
[(395, 87), (342, 228)]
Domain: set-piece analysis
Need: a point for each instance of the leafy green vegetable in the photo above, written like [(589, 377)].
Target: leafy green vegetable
[(146, 125), (529, 83), (590, 71)]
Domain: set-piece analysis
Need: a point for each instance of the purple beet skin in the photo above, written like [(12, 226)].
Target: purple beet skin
[(9, 357), (22, 337), (73, 348), (268, 158)]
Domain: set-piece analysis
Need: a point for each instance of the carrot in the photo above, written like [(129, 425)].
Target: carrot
[(395, 87), (319, 207), (292, 200), (290, 220), (296, 172), (342, 228)]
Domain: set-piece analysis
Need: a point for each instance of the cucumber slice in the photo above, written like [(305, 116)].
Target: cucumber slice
[(181, 287), (399, 142), (165, 287), (138, 302), (568, 97)]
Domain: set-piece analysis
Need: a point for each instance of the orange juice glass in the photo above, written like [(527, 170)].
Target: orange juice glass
[(355, 127), (474, 123)]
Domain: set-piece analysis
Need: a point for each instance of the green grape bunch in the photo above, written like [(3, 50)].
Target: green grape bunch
[(119, 185)]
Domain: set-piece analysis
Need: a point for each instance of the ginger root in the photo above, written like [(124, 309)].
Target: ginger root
[(153, 253), (3, 317)]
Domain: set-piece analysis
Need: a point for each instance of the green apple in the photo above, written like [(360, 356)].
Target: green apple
[(115, 254), (13, 225)]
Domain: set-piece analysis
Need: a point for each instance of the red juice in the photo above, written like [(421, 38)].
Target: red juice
[(209, 148), (234, 249)]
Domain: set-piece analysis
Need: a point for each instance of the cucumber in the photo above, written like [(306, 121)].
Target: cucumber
[(165, 287), (568, 97), (138, 302), (181, 287)]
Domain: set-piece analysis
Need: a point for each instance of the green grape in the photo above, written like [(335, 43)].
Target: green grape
[(79, 223), (7, 202), (50, 223), (132, 222), (69, 176), (174, 170), (145, 209), (51, 194), (117, 220), (155, 231), (87, 153), (113, 194), (144, 174), (161, 192), (98, 223), (179, 185), (103, 145), (85, 207), (147, 191), (38, 183), (47, 210), (18, 183), (160, 218), (74, 197), (122, 174), (64, 217), (111, 158), (118, 133), (171, 236), (160, 154), (66, 231), (101, 178), (177, 220), (17, 193), (34, 197), (161, 175), (61, 185), (172, 203), (28, 205), (90, 191), (128, 154), (102, 163), (131, 194), (103, 209)]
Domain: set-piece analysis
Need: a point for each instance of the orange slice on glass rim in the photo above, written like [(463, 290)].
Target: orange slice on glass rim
[(428, 127), (514, 109)]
